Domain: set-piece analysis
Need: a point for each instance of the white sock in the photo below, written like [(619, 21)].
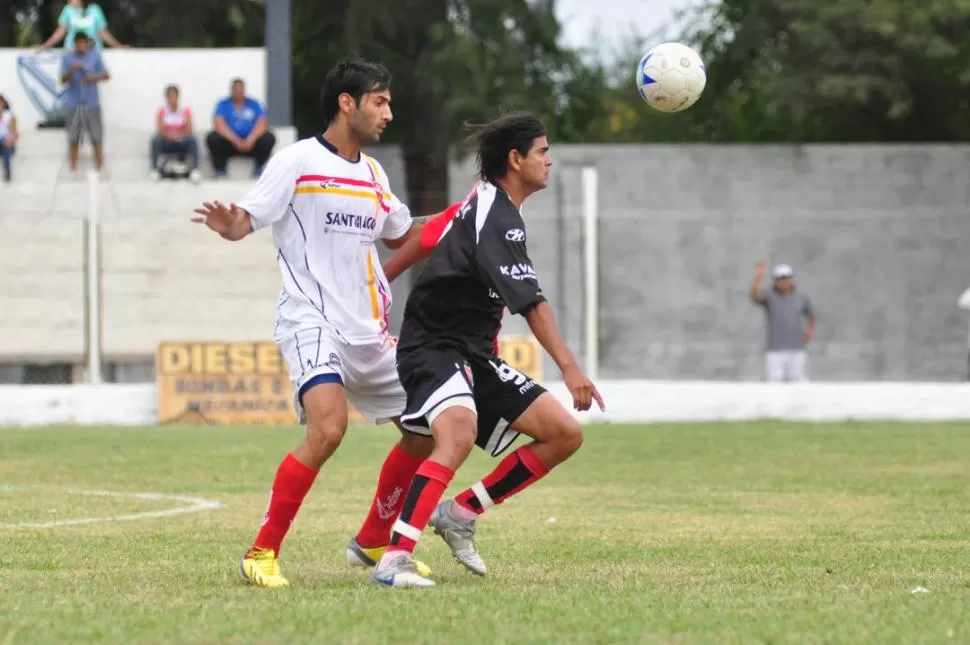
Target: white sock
[(390, 555), (462, 514)]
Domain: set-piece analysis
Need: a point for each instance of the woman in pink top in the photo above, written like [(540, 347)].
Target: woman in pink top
[(173, 135)]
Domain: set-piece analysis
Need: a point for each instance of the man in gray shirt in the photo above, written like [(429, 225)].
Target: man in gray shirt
[(791, 324)]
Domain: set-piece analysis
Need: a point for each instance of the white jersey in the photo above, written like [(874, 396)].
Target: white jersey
[(327, 213)]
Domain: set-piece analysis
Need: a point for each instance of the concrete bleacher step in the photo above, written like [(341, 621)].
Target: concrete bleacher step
[(123, 144), (46, 170), (42, 156), (116, 199)]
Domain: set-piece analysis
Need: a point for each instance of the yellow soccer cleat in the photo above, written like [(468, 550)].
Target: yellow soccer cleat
[(358, 556), (261, 568)]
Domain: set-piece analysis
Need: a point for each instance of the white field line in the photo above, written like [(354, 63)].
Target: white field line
[(191, 505)]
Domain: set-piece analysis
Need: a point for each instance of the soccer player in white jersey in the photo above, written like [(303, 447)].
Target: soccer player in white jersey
[(328, 203)]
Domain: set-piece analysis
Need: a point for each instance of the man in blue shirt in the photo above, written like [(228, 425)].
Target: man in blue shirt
[(240, 129), (81, 71)]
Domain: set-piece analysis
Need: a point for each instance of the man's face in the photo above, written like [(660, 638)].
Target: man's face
[(534, 167), (238, 92), (371, 116), (82, 45), (784, 284)]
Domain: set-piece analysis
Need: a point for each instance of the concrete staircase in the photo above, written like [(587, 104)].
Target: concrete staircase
[(163, 278)]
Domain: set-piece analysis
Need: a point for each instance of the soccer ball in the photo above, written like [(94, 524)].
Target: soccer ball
[(671, 77)]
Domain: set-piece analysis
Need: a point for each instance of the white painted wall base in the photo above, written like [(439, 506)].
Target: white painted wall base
[(651, 401), (627, 402)]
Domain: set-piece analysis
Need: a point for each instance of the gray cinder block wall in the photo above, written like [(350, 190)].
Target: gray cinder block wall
[(877, 235)]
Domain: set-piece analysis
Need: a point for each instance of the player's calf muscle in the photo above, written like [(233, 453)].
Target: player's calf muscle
[(417, 445)]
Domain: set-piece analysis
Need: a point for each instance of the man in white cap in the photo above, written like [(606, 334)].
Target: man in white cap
[(791, 324)]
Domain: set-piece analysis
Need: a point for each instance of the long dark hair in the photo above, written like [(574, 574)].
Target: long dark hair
[(6, 104), (494, 140)]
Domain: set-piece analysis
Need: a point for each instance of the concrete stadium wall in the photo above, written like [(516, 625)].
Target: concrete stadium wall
[(166, 279), (163, 278), (876, 235), (41, 288)]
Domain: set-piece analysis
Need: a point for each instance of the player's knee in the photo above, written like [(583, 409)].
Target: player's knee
[(455, 429), (323, 436), (569, 436)]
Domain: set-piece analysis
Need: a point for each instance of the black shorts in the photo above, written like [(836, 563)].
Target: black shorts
[(501, 393)]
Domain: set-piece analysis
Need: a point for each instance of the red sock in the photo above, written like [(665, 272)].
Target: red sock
[(427, 487), (519, 470), (292, 483), (396, 475)]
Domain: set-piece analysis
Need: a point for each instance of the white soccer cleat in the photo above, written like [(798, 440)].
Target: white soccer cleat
[(459, 535), (400, 570), (358, 556)]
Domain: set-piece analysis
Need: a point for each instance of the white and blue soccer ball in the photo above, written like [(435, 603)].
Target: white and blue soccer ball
[(671, 77)]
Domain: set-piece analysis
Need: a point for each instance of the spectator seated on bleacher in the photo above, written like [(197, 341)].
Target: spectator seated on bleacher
[(240, 128), (175, 150), (8, 136)]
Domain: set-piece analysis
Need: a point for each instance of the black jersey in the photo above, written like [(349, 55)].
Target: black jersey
[(479, 267)]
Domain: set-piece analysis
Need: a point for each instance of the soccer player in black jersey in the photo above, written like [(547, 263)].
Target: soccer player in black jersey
[(458, 391)]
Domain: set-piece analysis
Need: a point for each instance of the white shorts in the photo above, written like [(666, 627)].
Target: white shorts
[(367, 372), (789, 365)]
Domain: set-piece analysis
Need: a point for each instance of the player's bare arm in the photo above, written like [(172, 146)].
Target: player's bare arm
[(542, 322), (411, 251), (413, 233), (231, 222), (408, 254)]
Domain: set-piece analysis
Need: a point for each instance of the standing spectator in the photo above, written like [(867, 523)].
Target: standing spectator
[(81, 71), (240, 129), (791, 324), (81, 17), (8, 135), (173, 135)]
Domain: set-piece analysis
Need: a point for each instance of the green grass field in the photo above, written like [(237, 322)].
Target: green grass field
[(721, 533)]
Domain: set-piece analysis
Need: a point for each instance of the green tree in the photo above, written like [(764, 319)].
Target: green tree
[(452, 61), (828, 70), (187, 23), (814, 70), (145, 23)]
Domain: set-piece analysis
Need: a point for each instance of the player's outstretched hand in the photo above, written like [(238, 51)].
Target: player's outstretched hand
[(582, 389), (218, 216)]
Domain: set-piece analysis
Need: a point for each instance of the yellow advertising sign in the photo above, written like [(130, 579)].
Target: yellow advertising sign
[(246, 383), (523, 353)]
